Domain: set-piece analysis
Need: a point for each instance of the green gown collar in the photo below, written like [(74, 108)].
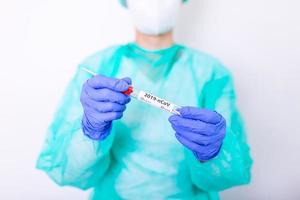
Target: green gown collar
[(135, 47), (155, 58)]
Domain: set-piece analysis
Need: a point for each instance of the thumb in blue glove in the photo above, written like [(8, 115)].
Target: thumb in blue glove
[(200, 130)]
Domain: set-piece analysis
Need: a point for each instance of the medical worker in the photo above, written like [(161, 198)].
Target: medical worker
[(124, 149)]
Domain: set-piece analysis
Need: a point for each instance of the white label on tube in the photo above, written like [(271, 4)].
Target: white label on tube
[(156, 101)]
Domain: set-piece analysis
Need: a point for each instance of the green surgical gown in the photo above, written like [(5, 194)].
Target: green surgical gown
[(141, 158)]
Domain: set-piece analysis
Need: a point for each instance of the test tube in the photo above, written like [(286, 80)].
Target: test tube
[(148, 98)]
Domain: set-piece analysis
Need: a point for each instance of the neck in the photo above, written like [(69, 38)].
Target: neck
[(154, 42)]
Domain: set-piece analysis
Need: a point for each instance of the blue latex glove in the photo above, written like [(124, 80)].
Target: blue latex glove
[(200, 130), (103, 101)]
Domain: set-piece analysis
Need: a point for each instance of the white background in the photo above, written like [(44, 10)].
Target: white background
[(42, 41)]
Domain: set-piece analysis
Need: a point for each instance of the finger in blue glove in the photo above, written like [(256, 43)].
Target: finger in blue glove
[(200, 130), (103, 102)]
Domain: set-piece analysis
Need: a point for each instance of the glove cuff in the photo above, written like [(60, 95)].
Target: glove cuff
[(207, 158), (94, 133)]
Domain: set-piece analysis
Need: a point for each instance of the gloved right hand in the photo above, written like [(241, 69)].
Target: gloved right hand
[(103, 101)]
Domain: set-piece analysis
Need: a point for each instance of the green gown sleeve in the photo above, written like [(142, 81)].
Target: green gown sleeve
[(233, 164), (68, 156)]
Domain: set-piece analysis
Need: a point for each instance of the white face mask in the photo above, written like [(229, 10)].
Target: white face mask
[(154, 17)]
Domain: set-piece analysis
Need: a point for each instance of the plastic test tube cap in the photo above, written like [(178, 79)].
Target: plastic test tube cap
[(129, 91)]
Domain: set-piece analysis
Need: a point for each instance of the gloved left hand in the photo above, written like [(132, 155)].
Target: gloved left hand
[(200, 130)]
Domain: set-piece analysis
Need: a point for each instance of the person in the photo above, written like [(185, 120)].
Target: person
[(124, 149)]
